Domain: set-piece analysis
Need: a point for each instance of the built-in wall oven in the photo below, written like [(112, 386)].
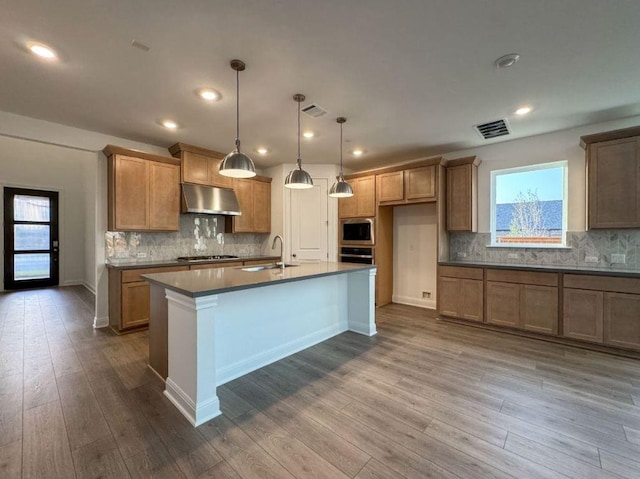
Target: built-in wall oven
[(357, 231), (360, 255)]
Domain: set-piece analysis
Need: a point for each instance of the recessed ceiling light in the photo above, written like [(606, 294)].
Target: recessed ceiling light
[(170, 124), (308, 134), (523, 110), (41, 50), (209, 94), (262, 151), (507, 61), (357, 152)]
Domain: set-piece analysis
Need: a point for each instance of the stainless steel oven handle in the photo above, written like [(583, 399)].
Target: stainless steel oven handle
[(367, 256)]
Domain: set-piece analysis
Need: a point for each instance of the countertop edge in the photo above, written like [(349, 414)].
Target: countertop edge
[(173, 262), (546, 268)]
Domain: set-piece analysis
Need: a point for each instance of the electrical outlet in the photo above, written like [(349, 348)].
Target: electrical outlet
[(512, 256), (141, 255), (591, 259), (426, 294), (461, 254), (618, 258)]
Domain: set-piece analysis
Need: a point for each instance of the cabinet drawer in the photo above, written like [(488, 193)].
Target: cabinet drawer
[(131, 275), (215, 265), (522, 277), (461, 272), (602, 283)]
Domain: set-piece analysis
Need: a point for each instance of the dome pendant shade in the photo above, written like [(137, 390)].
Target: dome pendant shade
[(341, 189), (298, 179), (236, 164)]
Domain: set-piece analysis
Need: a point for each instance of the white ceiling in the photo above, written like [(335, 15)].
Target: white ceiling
[(411, 76)]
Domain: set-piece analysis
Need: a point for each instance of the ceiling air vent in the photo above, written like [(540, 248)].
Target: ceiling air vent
[(314, 110), (493, 129)]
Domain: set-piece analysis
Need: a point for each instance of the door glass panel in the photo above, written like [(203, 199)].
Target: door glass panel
[(31, 208), (30, 237), (31, 266)]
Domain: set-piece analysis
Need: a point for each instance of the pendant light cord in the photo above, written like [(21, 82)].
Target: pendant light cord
[(341, 174), (299, 160), (238, 110)]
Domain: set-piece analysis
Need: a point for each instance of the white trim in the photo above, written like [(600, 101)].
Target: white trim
[(272, 355), (89, 287), (73, 282), (100, 322), (206, 410), (420, 303)]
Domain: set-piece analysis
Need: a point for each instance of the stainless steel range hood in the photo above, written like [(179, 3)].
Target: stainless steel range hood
[(209, 200)]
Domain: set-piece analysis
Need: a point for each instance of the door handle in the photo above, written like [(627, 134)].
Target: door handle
[(294, 255)]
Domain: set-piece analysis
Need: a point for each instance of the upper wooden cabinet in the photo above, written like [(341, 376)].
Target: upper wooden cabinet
[(414, 185), (363, 202), (462, 194), (254, 197), (200, 166), (143, 191), (613, 179)]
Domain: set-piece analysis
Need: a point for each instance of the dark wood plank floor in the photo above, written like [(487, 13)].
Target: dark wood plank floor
[(424, 398)]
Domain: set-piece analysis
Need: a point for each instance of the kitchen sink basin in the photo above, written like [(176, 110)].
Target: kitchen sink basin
[(262, 267)]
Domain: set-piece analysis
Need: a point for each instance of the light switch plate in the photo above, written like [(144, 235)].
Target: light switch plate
[(591, 259), (461, 254), (512, 256), (141, 255), (618, 258)]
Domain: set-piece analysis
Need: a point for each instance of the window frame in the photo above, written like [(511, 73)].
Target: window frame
[(564, 164)]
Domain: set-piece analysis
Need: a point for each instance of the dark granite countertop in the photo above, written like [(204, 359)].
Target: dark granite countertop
[(147, 263), (594, 270)]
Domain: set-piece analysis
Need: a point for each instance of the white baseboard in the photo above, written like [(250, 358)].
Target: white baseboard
[(240, 368), (205, 412), (420, 303), (73, 282), (90, 288), (100, 322)]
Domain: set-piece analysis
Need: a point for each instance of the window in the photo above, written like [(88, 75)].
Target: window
[(529, 206)]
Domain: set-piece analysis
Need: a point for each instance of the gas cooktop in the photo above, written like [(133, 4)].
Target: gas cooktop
[(195, 259)]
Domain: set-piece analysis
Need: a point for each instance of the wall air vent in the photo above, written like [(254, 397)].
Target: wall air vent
[(493, 129), (314, 110)]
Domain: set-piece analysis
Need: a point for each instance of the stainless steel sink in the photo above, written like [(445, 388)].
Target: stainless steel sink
[(262, 267)]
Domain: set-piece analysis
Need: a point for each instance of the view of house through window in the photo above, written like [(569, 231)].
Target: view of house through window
[(528, 205)]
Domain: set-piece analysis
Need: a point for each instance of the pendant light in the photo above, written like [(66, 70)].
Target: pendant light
[(341, 189), (236, 164), (298, 178)]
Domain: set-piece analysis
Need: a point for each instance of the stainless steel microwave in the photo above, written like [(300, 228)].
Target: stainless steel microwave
[(358, 231)]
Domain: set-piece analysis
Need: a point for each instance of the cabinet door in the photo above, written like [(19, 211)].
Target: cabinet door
[(449, 296), (420, 183), (622, 320), (471, 299), (261, 207), (215, 178), (164, 196), (195, 168), (244, 192), (135, 304), (390, 187), (539, 309), (366, 196), (583, 314), (503, 304), (348, 207), (130, 194), (614, 184), (459, 198)]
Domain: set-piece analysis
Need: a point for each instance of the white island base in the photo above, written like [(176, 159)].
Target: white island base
[(215, 338)]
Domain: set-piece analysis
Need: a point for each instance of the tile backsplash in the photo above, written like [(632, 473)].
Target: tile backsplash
[(198, 235), (602, 248)]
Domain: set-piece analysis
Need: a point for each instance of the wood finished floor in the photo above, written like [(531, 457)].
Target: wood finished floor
[(422, 399)]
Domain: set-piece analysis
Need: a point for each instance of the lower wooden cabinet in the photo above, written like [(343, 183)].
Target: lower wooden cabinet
[(503, 304), (460, 293), (622, 320), (539, 309), (583, 314), (129, 297)]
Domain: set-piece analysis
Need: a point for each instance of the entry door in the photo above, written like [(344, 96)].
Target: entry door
[(30, 238), (309, 222)]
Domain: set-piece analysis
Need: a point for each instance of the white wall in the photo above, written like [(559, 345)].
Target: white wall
[(561, 145), (415, 254)]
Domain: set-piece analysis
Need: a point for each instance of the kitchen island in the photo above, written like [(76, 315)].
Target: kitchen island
[(226, 322)]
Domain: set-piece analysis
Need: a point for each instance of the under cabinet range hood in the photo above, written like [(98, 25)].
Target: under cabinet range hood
[(209, 200)]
